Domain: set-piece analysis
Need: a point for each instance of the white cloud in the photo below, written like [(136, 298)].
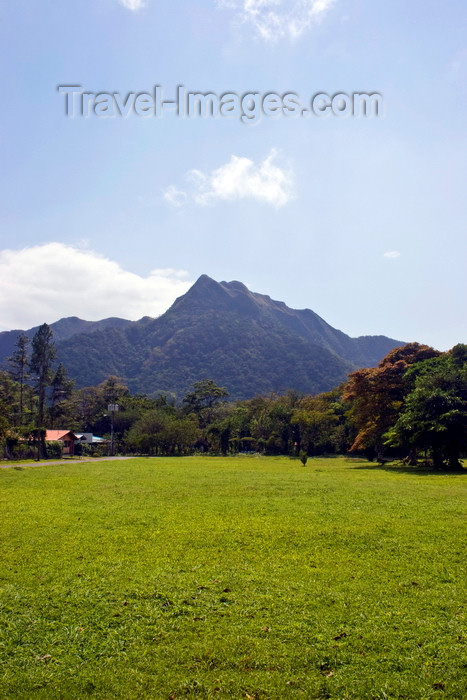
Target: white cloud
[(275, 19), (392, 254), (240, 178), (47, 282), (175, 196), (133, 4)]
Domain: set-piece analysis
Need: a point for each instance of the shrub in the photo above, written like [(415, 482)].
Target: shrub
[(54, 450)]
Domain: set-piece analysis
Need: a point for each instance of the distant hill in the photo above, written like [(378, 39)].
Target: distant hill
[(242, 340), (63, 329)]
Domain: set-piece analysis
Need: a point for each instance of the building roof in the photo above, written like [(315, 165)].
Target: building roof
[(57, 435), (89, 438)]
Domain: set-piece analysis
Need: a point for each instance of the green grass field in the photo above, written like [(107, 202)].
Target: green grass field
[(241, 577)]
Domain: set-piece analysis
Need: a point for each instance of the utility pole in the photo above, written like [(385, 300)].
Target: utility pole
[(112, 408)]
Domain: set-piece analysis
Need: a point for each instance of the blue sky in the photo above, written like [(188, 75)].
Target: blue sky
[(362, 220)]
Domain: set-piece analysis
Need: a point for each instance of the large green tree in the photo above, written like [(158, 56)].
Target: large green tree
[(319, 423), (162, 431), (434, 417), (204, 399)]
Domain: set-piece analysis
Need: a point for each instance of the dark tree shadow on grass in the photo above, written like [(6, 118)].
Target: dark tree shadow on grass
[(397, 468)]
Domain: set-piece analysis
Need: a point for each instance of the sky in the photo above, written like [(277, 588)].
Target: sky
[(362, 219)]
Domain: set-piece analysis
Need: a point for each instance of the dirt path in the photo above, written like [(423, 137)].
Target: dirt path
[(47, 462)]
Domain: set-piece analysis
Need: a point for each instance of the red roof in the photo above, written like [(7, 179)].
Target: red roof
[(59, 435)]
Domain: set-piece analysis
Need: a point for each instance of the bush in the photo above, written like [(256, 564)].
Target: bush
[(22, 451), (54, 450)]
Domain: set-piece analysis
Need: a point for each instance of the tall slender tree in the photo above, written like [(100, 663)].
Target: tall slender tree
[(19, 368), (42, 357), (61, 389)]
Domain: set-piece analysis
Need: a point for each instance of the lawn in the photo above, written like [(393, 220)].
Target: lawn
[(245, 577)]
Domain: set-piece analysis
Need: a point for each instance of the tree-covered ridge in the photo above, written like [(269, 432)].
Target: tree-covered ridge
[(63, 329)]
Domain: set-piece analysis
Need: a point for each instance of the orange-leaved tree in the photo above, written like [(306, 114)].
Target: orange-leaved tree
[(377, 396)]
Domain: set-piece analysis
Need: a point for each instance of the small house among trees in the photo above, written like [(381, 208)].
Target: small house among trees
[(64, 436)]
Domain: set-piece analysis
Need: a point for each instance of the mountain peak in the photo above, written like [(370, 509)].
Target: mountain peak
[(204, 281), (204, 292), (235, 286)]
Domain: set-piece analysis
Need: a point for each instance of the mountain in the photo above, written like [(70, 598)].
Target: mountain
[(242, 340)]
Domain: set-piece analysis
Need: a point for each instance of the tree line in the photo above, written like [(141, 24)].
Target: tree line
[(412, 406)]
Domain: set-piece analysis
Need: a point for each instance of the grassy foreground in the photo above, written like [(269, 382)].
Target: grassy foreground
[(232, 578)]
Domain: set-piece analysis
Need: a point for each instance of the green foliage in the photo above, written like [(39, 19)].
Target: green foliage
[(376, 395), (61, 388), (19, 370), (42, 357), (113, 390), (54, 449), (204, 401), (19, 403), (4, 423), (161, 431), (319, 423), (232, 578), (434, 418), (205, 394)]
